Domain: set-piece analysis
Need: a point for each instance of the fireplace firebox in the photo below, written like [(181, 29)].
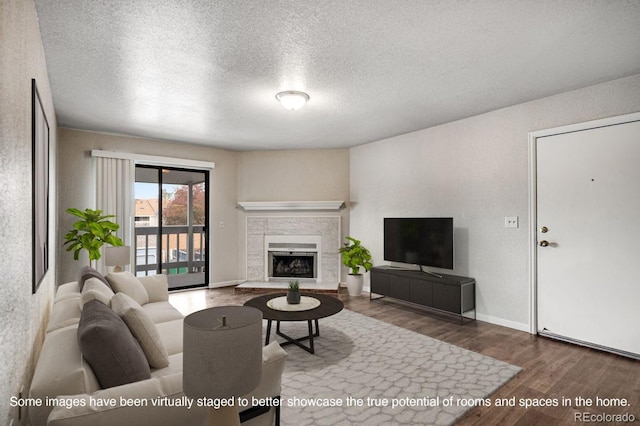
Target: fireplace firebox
[(293, 264), (292, 257)]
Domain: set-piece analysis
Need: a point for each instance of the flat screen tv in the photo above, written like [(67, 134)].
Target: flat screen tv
[(425, 241)]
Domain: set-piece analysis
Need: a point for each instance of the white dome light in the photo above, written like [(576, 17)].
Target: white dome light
[(291, 99)]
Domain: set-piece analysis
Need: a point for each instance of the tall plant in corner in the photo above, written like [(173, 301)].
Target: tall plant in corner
[(355, 256), (90, 233)]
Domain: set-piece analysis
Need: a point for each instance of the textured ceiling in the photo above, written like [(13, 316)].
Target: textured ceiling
[(207, 72)]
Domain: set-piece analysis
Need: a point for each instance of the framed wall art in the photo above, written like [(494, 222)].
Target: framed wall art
[(40, 192)]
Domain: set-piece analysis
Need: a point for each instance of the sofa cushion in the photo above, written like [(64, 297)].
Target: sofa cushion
[(162, 312), (171, 333), (109, 347), (95, 289), (88, 272), (86, 411), (175, 366), (67, 291), (65, 312), (142, 329), (127, 283), (60, 370)]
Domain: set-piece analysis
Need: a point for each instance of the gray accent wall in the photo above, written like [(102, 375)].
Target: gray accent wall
[(475, 170), (23, 315)]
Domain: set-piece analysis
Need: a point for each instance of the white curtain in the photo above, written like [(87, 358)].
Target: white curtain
[(114, 189)]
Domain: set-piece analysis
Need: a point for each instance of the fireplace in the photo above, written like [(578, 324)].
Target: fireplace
[(297, 233), (292, 257)]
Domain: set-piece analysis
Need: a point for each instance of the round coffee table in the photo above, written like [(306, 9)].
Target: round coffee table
[(328, 306)]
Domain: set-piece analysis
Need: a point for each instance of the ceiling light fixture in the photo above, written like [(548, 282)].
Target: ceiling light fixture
[(292, 99)]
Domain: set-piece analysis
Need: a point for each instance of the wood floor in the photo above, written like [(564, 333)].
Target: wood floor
[(551, 369)]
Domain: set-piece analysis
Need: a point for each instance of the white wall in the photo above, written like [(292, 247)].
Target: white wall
[(23, 315), (475, 170)]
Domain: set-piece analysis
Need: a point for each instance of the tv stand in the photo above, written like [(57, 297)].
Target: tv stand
[(430, 272), (450, 294)]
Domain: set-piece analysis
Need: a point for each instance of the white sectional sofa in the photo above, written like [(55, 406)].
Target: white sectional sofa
[(71, 393)]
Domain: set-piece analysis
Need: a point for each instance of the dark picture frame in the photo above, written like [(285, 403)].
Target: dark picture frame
[(40, 193)]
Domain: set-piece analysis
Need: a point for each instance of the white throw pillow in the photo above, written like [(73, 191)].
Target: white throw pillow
[(127, 283), (156, 286), (95, 289), (143, 328)]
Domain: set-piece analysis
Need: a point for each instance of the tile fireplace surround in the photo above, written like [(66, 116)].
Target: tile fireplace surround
[(327, 227)]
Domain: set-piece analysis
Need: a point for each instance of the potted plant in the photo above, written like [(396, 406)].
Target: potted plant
[(293, 294), (354, 256), (90, 233)]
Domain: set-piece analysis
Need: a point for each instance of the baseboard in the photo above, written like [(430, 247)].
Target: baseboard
[(503, 322), (225, 283)]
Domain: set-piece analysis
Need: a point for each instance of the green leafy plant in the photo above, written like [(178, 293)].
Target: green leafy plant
[(90, 233), (294, 285), (355, 255)]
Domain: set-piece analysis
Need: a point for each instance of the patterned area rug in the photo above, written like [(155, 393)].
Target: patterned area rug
[(368, 372)]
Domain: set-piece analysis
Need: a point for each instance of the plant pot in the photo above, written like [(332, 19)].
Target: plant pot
[(354, 284), (293, 297)]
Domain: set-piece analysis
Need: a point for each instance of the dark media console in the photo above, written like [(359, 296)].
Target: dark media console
[(450, 294)]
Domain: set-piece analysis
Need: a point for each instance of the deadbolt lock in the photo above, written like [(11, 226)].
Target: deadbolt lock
[(544, 243), (544, 229)]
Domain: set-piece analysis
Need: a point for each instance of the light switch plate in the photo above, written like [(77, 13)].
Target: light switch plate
[(511, 222)]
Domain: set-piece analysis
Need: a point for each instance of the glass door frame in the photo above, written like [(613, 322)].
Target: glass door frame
[(159, 234)]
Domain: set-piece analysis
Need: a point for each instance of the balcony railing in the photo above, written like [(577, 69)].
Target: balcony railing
[(183, 250)]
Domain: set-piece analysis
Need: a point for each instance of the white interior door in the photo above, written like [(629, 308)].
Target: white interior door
[(588, 199)]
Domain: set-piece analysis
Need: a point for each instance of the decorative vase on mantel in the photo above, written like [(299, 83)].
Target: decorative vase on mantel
[(293, 294)]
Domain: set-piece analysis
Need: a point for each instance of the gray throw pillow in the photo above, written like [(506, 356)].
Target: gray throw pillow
[(88, 272), (109, 347)]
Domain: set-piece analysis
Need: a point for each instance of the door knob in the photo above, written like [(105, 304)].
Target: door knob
[(544, 229), (544, 243)]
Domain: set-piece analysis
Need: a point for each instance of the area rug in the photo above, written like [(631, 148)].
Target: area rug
[(367, 372)]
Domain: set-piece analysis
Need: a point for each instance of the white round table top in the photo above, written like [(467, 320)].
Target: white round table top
[(306, 303)]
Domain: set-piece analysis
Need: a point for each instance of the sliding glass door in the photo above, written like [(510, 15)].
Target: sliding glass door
[(171, 219)]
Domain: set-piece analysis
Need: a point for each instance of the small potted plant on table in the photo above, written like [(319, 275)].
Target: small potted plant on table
[(354, 256), (293, 295)]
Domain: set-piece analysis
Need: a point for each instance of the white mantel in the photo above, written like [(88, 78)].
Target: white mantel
[(290, 205)]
